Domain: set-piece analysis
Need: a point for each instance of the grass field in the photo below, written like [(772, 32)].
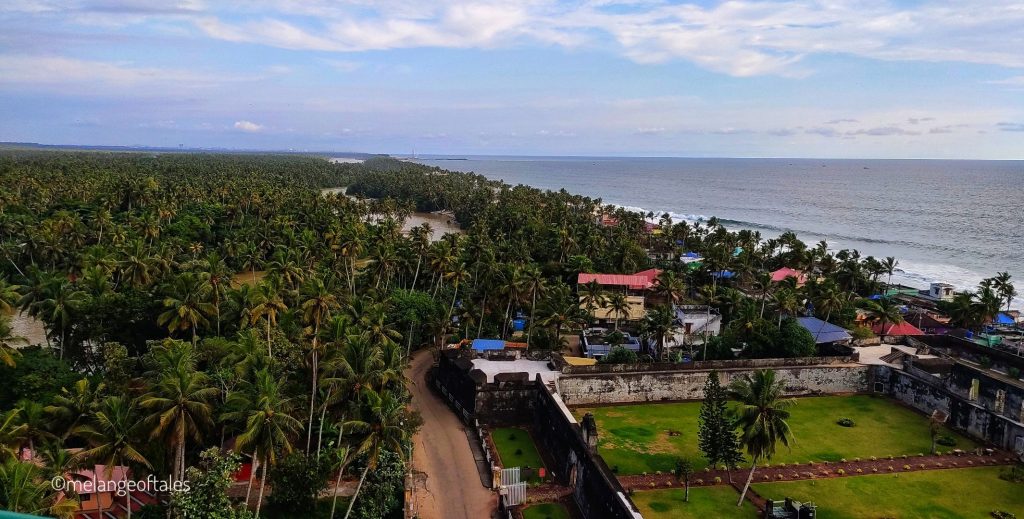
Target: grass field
[(635, 438), (516, 448), (546, 511), (935, 494), (718, 502)]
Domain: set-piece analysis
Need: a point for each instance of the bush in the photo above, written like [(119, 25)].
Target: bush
[(845, 422), (999, 514), (946, 440), (519, 452), (860, 333), (1013, 474), (619, 355), (1013, 372), (298, 481)]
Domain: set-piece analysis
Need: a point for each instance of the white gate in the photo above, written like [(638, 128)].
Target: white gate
[(513, 492)]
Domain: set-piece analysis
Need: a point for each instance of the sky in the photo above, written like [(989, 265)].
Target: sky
[(744, 78)]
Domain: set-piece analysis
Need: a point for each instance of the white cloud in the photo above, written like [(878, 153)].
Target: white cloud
[(248, 126), (740, 38)]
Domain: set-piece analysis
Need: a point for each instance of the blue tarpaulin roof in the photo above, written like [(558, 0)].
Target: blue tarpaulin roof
[(691, 254), (724, 274), (1002, 318), (488, 344), (824, 331)]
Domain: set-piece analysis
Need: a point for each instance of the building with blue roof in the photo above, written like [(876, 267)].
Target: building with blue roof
[(825, 332)]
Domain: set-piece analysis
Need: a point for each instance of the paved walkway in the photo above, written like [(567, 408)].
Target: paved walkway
[(446, 482)]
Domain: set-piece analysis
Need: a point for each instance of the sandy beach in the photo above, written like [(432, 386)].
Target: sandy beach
[(440, 223)]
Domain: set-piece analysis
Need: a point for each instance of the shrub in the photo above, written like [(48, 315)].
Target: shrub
[(699, 482), (512, 437), (1013, 372), (906, 467), (297, 481), (946, 440), (615, 469), (718, 480), (1013, 474), (860, 470), (861, 332), (999, 514), (519, 452), (845, 422), (841, 472)]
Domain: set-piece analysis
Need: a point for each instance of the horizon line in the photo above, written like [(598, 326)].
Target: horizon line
[(443, 156)]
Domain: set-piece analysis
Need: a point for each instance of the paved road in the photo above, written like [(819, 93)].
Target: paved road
[(448, 485)]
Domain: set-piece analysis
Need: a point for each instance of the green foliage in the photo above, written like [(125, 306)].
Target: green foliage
[(383, 492), (1014, 474), (415, 309), (946, 440), (619, 355), (861, 332), (845, 422), (297, 481), (762, 338), (716, 435), (208, 485), (38, 375)]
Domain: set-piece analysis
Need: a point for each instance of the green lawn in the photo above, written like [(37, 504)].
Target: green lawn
[(546, 511), (718, 501), (516, 448), (635, 438), (936, 494)]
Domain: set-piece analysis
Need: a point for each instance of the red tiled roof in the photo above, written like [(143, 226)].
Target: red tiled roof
[(632, 281), (903, 328)]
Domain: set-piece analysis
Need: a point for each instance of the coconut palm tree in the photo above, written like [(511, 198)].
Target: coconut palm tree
[(188, 305), (8, 341), (71, 406), (670, 287), (534, 283), (1003, 285), (114, 435), (33, 418), (12, 433), (25, 489), (592, 296), (179, 406), (762, 284), (619, 306), (661, 322), (889, 265), (9, 295), (269, 305), (761, 414), (269, 427), (383, 428), (883, 311), (317, 304)]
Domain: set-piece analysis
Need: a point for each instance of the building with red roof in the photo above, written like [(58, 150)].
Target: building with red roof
[(785, 272), (630, 281), (903, 328)]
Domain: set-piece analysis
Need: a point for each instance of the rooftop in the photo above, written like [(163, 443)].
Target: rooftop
[(530, 367)]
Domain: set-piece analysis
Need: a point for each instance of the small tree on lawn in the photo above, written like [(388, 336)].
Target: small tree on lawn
[(683, 471), (716, 436)]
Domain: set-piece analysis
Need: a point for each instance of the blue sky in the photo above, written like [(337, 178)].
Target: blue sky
[(830, 78)]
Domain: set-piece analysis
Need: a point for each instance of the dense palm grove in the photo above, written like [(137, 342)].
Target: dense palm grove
[(197, 300)]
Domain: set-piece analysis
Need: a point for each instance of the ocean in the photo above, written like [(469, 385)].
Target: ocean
[(944, 220)]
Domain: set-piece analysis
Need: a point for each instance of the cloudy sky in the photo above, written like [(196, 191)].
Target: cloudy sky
[(796, 78)]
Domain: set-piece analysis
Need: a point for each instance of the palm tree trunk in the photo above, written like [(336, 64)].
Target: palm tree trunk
[(269, 353), (341, 468), (483, 311), (750, 477), (416, 276), (312, 400), (263, 484), (358, 487), (253, 467), (533, 309)]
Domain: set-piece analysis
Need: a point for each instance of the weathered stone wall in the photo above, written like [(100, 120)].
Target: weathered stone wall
[(617, 388), (978, 418), (595, 489)]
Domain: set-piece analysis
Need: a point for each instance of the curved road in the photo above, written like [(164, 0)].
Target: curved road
[(447, 485)]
